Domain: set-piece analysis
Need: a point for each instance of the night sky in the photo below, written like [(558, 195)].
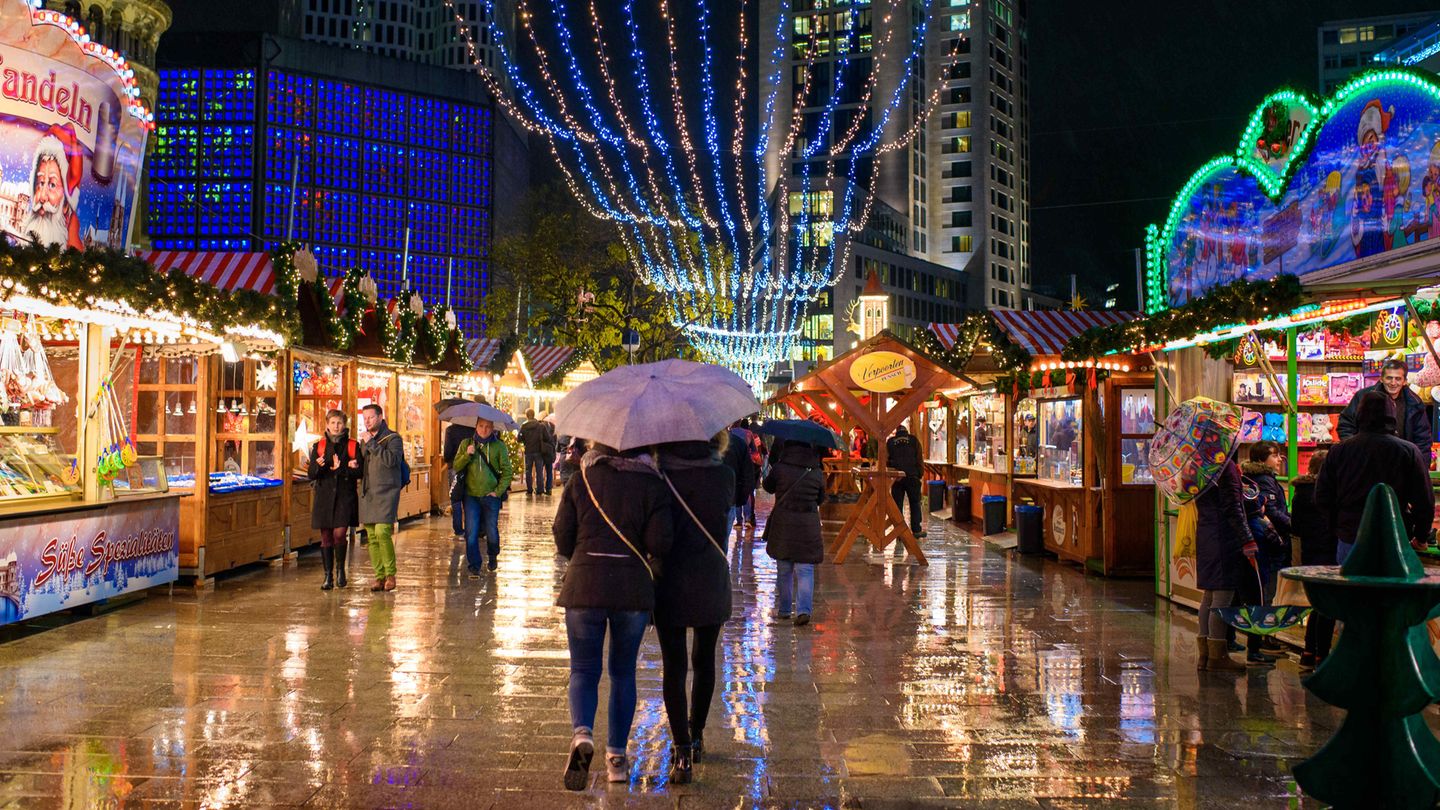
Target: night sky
[(1129, 98)]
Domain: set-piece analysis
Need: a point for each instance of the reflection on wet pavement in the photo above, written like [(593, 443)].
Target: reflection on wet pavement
[(981, 680)]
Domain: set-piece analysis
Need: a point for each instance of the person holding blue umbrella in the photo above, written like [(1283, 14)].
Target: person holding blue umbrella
[(792, 533)]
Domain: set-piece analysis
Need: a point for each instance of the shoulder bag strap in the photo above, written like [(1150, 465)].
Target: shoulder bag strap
[(786, 494), (691, 513), (641, 557)]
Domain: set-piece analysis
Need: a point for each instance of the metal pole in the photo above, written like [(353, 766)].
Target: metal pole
[(294, 194), (405, 262), (449, 274)]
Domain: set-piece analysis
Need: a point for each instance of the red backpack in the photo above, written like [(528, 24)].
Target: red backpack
[(757, 448), (350, 447)]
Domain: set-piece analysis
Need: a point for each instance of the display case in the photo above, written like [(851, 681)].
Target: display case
[(937, 444), (372, 387), (1061, 458), (168, 413), (1137, 426), (988, 432), (412, 419), (244, 507), (317, 387), (33, 464), (39, 434), (1027, 438)]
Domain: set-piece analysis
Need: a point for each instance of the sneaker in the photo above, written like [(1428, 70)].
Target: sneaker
[(577, 770), (802, 619), (1259, 659), (617, 768), (474, 572), (779, 616), (493, 564), (920, 535)]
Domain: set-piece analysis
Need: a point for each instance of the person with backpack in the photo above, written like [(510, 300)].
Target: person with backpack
[(1317, 547), (693, 594), (385, 474), (484, 462), (792, 532), (334, 471)]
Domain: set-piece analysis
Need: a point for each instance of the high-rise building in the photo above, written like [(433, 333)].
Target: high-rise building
[(955, 201), (426, 31), (1347, 46), (1419, 48)]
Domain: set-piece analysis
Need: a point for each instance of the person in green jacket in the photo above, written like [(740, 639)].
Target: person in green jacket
[(485, 463)]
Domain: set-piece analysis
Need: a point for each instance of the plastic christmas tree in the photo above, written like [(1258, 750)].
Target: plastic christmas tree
[(1383, 671)]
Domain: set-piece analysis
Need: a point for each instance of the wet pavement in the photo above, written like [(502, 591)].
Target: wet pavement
[(982, 680)]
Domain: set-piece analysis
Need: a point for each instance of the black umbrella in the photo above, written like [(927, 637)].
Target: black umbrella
[(801, 430)]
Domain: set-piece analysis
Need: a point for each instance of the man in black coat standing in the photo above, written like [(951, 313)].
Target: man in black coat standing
[(454, 435), (903, 453), (1373, 456), (747, 475), (1412, 417)]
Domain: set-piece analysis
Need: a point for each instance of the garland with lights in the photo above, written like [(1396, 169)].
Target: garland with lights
[(557, 377), (503, 354), (980, 328), (1238, 302), (76, 277)]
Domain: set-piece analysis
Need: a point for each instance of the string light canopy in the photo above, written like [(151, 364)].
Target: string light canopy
[(658, 125)]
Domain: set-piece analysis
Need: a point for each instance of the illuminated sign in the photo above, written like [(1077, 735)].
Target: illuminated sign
[(883, 372)]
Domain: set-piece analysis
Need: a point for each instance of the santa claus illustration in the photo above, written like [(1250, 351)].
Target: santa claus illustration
[(55, 189)]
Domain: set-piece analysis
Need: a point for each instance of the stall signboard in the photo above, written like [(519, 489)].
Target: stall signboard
[(1369, 183), (883, 372), (59, 561), (72, 133)]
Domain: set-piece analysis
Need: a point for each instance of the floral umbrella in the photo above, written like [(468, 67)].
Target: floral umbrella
[(1192, 446)]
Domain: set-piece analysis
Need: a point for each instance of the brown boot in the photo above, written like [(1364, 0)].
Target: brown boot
[(379, 585), (1219, 659), (390, 583), (1202, 653)]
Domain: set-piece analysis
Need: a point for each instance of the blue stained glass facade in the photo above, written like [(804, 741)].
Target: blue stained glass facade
[(370, 162)]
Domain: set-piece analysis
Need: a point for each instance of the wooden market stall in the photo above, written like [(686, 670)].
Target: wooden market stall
[(875, 387)]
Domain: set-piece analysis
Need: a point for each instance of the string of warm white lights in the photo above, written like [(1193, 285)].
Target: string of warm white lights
[(716, 233)]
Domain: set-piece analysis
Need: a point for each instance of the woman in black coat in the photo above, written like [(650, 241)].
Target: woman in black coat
[(613, 525), (694, 589), (335, 507), (792, 532), (1317, 547), (1224, 550)]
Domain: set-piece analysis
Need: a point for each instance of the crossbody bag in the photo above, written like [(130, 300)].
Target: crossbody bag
[(584, 476), (765, 535), (483, 454)]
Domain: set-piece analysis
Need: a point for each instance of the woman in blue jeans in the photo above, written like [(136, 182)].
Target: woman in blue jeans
[(485, 463), (792, 532), (614, 524)]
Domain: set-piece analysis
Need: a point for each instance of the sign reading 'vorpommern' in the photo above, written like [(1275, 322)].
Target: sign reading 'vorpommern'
[(883, 372)]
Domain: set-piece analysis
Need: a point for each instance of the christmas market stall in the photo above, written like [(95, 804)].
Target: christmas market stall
[(1076, 432), (876, 387), (1289, 270)]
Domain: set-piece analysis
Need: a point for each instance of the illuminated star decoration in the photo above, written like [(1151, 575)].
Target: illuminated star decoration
[(303, 439), (738, 242), (266, 377), (1077, 302)]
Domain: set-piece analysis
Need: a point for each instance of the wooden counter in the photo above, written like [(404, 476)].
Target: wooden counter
[(984, 482), (240, 527), (1071, 524), (415, 499)]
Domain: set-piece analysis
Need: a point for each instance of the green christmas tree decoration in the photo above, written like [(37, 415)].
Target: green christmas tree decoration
[(1383, 671)]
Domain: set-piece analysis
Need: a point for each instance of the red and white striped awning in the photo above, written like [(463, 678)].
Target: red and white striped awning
[(1039, 332), (544, 360), (482, 352), (229, 270)]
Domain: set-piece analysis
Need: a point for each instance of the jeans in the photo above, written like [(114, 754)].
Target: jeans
[(908, 488), (585, 631), (534, 474), (687, 717), (382, 548), (803, 584), (748, 510), (481, 514), (548, 460)]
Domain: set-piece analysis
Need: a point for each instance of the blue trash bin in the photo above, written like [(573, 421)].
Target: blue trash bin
[(993, 507)]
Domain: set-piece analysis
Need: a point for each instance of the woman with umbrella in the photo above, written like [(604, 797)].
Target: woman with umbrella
[(618, 520), (484, 463), (694, 593), (792, 532)]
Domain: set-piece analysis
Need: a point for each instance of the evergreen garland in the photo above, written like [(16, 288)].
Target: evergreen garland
[(1235, 303), (501, 360), (978, 328)]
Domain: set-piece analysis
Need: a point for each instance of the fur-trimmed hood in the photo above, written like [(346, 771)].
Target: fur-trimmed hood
[(1254, 468), (643, 463)]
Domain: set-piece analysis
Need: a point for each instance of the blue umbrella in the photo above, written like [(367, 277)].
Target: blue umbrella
[(802, 430)]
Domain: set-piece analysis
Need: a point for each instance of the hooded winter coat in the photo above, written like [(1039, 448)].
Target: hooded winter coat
[(694, 587), (1271, 505), (792, 532), (1308, 524), (380, 487), (604, 572), (1357, 464), (1413, 425), (1221, 533), (335, 499)]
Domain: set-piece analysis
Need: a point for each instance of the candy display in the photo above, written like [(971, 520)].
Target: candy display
[(31, 464), (235, 482), (28, 392)]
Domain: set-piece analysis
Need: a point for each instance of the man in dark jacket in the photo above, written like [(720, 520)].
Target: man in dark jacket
[(747, 475), (1411, 424), (903, 453), (548, 447), (1373, 456), (454, 435), (533, 436)]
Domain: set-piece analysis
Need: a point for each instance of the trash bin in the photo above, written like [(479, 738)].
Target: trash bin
[(994, 509), (936, 490), (1029, 529), (960, 503)]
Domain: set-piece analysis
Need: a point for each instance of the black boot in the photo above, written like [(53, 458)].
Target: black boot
[(340, 578), (697, 744), (682, 771), (327, 558)]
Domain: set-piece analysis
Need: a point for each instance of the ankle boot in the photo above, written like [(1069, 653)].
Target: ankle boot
[(682, 771), (340, 579), (327, 558), (697, 744), (1219, 659), (1202, 653)]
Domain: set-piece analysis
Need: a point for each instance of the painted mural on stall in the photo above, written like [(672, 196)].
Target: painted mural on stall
[(1370, 184)]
